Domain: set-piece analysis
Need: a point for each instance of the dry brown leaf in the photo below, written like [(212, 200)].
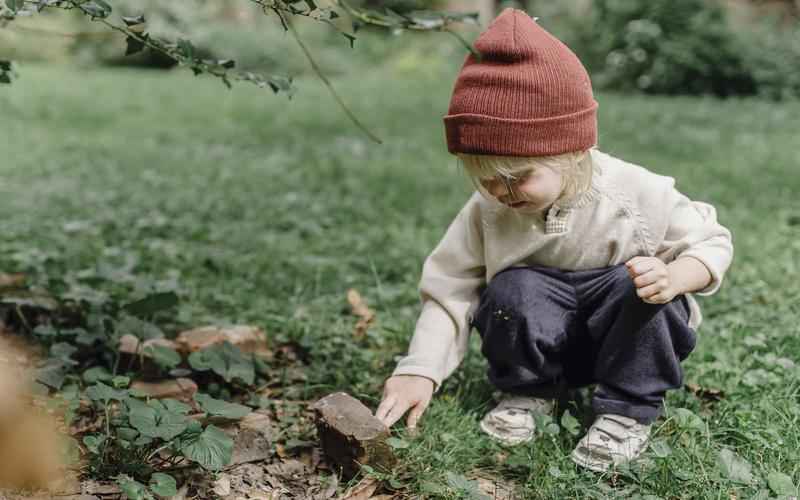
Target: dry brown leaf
[(12, 280), (361, 491), (707, 393), (366, 316)]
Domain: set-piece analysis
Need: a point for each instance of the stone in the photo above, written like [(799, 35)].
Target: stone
[(252, 438), (351, 435), (182, 389), (249, 339), (133, 353)]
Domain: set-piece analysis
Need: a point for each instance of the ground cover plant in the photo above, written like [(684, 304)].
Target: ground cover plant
[(238, 207)]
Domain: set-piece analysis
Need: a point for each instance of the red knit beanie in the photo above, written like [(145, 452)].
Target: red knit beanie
[(529, 95)]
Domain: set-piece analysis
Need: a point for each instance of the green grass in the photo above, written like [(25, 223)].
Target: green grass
[(261, 210)]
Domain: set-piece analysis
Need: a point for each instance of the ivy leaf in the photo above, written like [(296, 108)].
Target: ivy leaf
[(163, 356), (163, 485), (156, 421), (97, 374), (133, 20), (102, 392), (734, 467), (781, 484), (220, 408), (212, 448), (134, 490), (52, 374), (227, 361), (152, 304), (93, 442), (96, 8)]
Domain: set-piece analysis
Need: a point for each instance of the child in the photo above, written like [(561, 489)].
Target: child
[(575, 267)]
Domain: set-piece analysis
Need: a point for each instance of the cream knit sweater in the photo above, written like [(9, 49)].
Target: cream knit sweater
[(628, 211)]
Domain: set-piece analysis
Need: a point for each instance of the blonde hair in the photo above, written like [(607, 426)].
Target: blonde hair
[(576, 170)]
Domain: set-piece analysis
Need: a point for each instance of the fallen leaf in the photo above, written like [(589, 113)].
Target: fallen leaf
[(363, 490), (359, 308), (707, 393), (13, 280)]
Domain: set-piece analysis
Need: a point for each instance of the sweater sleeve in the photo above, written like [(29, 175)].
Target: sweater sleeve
[(451, 277), (692, 230)]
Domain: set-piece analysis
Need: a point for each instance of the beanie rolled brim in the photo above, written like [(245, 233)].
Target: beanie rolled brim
[(483, 134)]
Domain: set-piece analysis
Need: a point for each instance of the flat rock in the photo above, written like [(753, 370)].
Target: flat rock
[(252, 437), (350, 434), (247, 338), (182, 389)]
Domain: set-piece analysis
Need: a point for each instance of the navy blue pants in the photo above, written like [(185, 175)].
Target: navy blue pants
[(544, 329)]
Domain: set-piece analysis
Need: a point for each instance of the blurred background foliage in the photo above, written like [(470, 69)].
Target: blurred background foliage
[(719, 47)]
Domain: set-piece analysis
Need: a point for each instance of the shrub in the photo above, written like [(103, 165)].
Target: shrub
[(664, 47)]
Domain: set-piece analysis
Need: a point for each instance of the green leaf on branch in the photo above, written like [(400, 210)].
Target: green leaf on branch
[(212, 448), (220, 408), (152, 304), (163, 485), (96, 8), (133, 20)]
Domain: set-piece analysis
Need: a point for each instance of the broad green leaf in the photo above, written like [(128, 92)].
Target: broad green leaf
[(156, 421), (686, 419), (734, 467), (163, 485), (212, 449), (220, 408), (127, 433), (52, 374), (225, 360), (96, 8), (134, 490), (93, 442), (163, 356), (63, 351), (570, 423), (781, 484), (138, 328), (176, 406), (152, 304), (102, 392), (120, 382)]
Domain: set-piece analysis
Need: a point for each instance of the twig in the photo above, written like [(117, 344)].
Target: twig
[(325, 80)]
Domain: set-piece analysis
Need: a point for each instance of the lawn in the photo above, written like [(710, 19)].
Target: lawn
[(262, 210)]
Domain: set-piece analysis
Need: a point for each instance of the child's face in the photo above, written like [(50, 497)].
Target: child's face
[(533, 191)]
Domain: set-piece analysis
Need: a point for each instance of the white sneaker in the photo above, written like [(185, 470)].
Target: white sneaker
[(511, 421), (611, 440)]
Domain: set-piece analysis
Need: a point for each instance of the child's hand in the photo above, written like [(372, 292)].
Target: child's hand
[(402, 392), (652, 279)]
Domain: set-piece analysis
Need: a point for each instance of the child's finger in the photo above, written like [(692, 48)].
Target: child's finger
[(641, 266), (396, 412), (647, 278), (650, 290), (384, 407), (414, 415)]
